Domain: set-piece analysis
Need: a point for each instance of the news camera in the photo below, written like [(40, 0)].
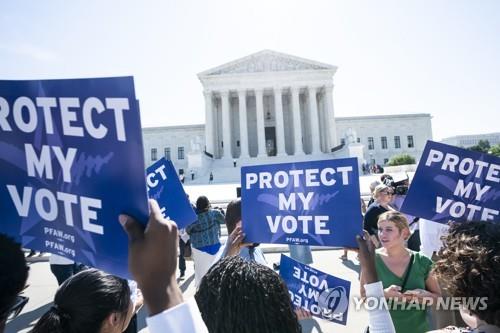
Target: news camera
[(399, 187)]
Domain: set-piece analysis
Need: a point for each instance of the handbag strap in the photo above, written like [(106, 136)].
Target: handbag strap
[(405, 279)]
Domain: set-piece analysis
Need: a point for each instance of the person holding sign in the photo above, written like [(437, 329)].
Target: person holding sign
[(205, 237), (238, 295), (234, 245), (406, 275)]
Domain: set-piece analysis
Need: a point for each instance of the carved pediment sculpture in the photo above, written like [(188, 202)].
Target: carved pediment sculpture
[(267, 61)]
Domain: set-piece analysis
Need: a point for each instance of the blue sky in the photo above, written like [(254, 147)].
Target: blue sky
[(437, 57)]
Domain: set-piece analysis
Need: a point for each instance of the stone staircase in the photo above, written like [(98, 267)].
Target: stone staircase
[(224, 170)]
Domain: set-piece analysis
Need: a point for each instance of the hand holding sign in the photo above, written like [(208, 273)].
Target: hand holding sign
[(153, 259), (366, 254)]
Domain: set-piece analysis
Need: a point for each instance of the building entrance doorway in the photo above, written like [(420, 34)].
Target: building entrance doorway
[(270, 141)]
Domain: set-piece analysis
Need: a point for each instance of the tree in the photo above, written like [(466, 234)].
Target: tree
[(495, 150), (483, 146), (401, 159)]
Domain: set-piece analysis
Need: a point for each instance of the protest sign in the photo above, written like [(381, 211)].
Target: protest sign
[(165, 187), (325, 296), (71, 161), (455, 184), (308, 203)]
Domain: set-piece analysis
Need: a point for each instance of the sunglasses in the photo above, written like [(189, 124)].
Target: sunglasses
[(17, 307)]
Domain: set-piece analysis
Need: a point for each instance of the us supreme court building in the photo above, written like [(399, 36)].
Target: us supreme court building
[(272, 107)]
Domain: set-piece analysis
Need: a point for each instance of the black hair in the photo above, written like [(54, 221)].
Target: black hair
[(233, 214), (242, 296), (14, 273), (386, 178), (83, 302), (202, 204)]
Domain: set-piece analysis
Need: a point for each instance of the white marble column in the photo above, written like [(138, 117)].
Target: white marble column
[(242, 99), (209, 123), (297, 128), (280, 127), (331, 117), (261, 134), (226, 125), (313, 113)]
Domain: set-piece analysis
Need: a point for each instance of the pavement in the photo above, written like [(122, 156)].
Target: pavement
[(43, 285)]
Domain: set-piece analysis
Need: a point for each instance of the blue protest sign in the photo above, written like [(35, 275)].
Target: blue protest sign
[(165, 187), (309, 203), (325, 296), (71, 161), (454, 184)]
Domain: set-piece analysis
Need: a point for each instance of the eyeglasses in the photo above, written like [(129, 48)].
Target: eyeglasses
[(387, 193), (17, 307)]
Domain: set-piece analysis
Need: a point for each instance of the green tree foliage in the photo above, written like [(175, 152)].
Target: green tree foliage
[(483, 146), (401, 159), (495, 150)]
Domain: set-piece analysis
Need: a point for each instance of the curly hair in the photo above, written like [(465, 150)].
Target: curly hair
[(242, 296), (469, 265)]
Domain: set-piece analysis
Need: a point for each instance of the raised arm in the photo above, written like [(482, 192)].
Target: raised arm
[(379, 319), (153, 262)]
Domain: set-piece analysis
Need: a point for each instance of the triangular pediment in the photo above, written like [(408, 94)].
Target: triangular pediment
[(267, 61)]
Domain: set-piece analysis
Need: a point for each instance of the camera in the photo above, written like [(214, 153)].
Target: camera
[(399, 188)]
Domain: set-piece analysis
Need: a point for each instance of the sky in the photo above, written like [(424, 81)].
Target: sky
[(393, 57)]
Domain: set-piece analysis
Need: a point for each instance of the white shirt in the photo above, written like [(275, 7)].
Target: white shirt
[(379, 318), (183, 318)]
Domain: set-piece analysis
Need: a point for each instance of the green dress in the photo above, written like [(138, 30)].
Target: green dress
[(410, 319)]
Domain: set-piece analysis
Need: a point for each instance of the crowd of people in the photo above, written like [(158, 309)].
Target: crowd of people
[(238, 291)]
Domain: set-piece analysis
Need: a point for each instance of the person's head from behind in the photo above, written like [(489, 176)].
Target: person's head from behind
[(383, 194), (469, 267), (13, 277), (243, 296), (91, 302), (233, 215), (374, 184), (393, 229), (202, 204)]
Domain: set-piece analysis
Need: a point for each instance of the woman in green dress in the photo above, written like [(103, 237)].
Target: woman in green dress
[(408, 281)]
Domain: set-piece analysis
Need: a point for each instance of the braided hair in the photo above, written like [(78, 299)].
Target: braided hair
[(242, 296)]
